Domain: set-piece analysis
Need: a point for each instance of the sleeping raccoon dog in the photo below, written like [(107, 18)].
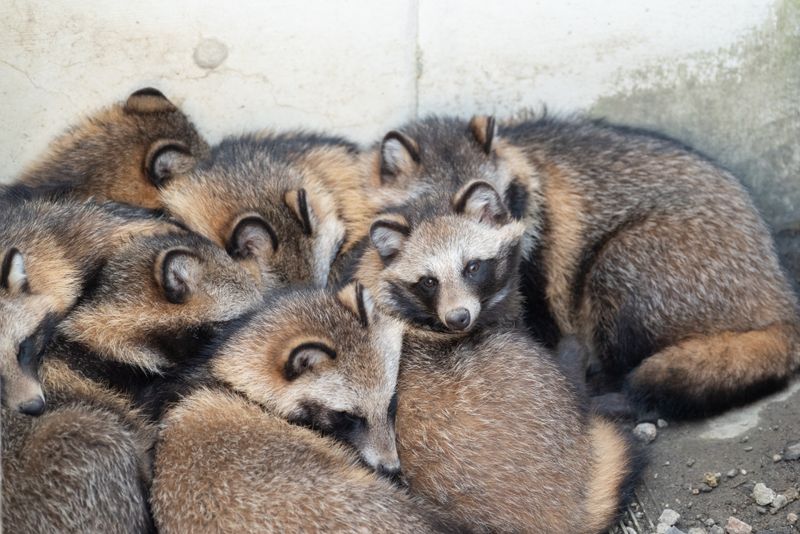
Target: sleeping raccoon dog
[(648, 252), (229, 457), (123, 153), (152, 300), (488, 427), (278, 203)]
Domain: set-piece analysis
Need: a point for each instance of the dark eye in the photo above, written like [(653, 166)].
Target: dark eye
[(428, 282), (392, 408), (473, 267), (346, 423)]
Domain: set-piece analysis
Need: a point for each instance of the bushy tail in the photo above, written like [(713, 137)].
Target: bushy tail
[(708, 374), (618, 462)]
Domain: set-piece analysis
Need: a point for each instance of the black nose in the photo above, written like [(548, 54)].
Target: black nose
[(33, 406), (457, 319), (392, 473)]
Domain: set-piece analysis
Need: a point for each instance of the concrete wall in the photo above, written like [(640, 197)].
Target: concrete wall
[(722, 75)]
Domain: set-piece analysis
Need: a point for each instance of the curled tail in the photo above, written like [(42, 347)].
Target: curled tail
[(618, 463), (708, 374)]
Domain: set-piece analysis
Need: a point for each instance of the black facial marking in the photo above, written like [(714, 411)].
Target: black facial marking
[(392, 412), (489, 137), (346, 427), (414, 308), (362, 309), (159, 176), (290, 370), (31, 350), (180, 346), (516, 199), (302, 204)]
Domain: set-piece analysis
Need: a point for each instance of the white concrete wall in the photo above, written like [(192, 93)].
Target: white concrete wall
[(352, 67)]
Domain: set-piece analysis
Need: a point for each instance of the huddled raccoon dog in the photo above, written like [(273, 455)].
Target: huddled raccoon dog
[(52, 252), (123, 153), (652, 255), (280, 203), (488, 428), (228, 459), (153, 300)]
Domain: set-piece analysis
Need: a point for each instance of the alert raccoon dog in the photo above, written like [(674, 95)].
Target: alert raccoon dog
[(488, 427), (51, 253), (282, 203), (228, 457), (651, 254), (152, 302), (124, 153)]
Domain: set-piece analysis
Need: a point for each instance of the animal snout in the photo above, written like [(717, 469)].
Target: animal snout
[(457, 319), (34, 406)]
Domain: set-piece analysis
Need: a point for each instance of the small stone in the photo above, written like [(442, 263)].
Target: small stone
[(737, 526), (742, 472), (748, 448), (697, 530), (695, 491), (791, 518), (716, 529), (779, 502), (669, 517), (763, 495), (791, 494), (690, 462), (711, 479), (645, 432), (732, 473), (710, 522), (792, 451), (666, 463), (210, 54), (777, 458), (662, 424), (744, 439), (761, 510), (674, 530)]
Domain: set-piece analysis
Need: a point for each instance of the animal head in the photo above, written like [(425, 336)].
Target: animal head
[(327, 361), (262, 202), (450, 273), (158, 299), (26, 324), (125, 153)]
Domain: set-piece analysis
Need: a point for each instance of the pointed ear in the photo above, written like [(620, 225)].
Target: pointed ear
[(148, 100), (480, 201), (305, 357), (166, 159), (297, 201), (252, 237), (484, 129), (178, 272), (388, 237), (399, 154), (13, 276), (358, 300)]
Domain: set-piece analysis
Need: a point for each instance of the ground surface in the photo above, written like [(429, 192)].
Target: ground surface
[(741, 446)]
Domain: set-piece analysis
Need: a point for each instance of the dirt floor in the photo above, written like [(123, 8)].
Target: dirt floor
[(739, 449)]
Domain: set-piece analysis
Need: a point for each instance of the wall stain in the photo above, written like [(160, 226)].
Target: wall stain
[(739, 105)]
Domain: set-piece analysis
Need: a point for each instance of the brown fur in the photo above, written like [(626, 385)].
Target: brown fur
[(110, 155), (225, 464), (263, 177)]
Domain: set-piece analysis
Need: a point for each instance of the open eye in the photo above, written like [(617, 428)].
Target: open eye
[(428, 282), (473, 267)]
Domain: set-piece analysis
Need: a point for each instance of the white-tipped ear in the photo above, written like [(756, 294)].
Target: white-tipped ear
[(166, 159), (358, 300), (484, 129), (178, 272), (298, 202), (388, 237), (399, 154), (305, 357), (481, 202), (14, 276)]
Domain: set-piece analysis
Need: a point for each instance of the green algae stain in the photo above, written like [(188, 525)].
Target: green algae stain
[(739, 105)]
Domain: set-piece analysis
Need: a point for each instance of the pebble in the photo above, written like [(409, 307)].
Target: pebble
[(210, 53), (792, 451), (710, 522), (763, 495), (737, 526), (748, 448), (669, 517), (662, 424), (716, 529), (791, 518), (697, 530), (779, 502), (711, 479), (645, 432), (690, 462), (777, 458), (732, 473)]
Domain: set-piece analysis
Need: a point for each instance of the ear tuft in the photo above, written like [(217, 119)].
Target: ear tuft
[(297, 201), (178, 273), (484, 129), (305, 357), (252, 236), (480, 201), (388, 237), (148, 100), (13, 276), (399, 154), (166, 159), (358, 300)]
